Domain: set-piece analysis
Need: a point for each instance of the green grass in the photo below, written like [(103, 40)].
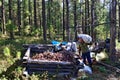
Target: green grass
[(10, 51), (117, 45), (10, 67)]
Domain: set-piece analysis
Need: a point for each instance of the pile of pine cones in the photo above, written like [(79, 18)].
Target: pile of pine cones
[(58, 56)]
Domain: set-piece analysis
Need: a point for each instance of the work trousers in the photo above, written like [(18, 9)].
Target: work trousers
[(86, 55)]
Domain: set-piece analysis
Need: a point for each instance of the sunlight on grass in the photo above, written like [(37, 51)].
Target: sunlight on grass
[(117, 45), (101, 56), (16, 47), (5, 63)]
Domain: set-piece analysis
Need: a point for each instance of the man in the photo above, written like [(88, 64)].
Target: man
[(107, 45), (83, 47)]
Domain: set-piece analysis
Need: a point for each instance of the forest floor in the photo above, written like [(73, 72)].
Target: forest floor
[(10, 68), (101, 72)]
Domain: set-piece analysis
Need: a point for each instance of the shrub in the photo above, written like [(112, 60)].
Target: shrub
[(6, 52)]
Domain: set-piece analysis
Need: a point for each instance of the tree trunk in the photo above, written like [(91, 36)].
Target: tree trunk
[(75, 20), (51, 10), (49, 17), (86, 16), (119, 25), (92, 19), (113, 31), (40, 19), (35, 14), (10, 18), (30, 12), (44, 21), (10, 9), (24, 8), (3, 18), (95, 19), (82, 18), (19, 16), (83, 23), (63, 20), (80, 23), (67, 20), (0, 16)]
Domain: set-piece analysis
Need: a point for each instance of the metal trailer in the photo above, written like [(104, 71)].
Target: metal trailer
[(61, 68)]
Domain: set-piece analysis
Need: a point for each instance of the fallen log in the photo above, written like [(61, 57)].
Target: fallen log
[(112, 68)]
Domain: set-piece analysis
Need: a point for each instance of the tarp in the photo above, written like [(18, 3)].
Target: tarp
[(86, 38), (54, 42)]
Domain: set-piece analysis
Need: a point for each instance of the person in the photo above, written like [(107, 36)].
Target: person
[(107, 45), (83, 47)]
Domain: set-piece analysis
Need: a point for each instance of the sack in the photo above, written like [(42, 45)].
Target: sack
[(87, 69), (71, 46), (86, 38)]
